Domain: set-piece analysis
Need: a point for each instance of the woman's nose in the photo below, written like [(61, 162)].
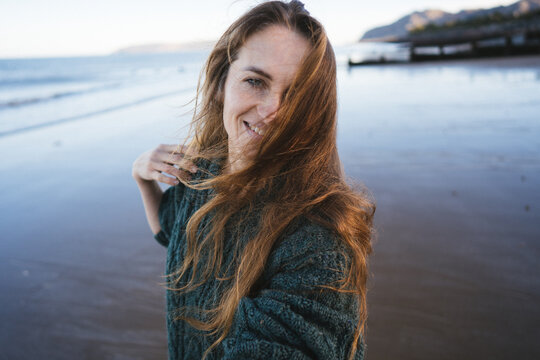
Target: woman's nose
[(268, 108)]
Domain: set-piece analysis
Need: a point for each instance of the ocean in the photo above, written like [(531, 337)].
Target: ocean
[(42, 92)]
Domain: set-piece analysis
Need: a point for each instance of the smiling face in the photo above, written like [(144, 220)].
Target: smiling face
[(256, 83)]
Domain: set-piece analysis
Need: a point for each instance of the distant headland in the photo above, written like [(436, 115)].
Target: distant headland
[(165, 48)]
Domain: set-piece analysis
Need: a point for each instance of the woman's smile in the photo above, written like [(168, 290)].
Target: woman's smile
[(253, 130)]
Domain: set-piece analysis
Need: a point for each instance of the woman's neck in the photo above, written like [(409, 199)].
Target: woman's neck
[(233, 164), (236, 160)]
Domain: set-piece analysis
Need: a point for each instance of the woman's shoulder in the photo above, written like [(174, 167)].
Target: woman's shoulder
[(181, 197), (308, 242), (306, 235), (208, 168)]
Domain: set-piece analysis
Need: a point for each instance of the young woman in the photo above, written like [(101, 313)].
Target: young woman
[(266, 243)]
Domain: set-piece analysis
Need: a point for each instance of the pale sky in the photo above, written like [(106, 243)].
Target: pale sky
[(40, 28)]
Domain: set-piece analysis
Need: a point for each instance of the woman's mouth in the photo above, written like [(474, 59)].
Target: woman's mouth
[(253, 130)]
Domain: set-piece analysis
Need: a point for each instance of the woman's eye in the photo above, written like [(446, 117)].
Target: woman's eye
[(255, 82)]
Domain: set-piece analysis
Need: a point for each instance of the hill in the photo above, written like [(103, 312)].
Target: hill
[(165, 48), (421, 19)]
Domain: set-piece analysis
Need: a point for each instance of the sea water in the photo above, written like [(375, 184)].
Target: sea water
[(43, 92)]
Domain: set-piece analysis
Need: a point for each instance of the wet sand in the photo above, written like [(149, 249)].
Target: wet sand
[(455, 264), (456, 178), (79, 268)]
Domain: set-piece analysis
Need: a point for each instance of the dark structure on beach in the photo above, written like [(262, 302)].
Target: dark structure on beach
[(436, 35), (515, 36)]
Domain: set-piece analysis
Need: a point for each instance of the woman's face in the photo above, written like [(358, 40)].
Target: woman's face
[(256, 83)]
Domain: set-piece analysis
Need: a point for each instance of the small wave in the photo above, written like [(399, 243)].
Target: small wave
[(96, 112), (13, 103), (37, 80)]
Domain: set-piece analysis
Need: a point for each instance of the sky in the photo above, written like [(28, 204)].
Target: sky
[(47, 28)]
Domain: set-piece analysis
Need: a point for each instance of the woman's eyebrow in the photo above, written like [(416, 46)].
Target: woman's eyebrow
[(258, 71)]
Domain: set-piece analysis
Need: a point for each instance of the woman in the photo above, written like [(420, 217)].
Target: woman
[(267, 245)]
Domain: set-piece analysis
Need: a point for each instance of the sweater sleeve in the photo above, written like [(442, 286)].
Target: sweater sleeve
[(294, 318), (167, 212)]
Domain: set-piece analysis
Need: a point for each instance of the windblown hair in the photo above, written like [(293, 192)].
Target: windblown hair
[(297, 163)]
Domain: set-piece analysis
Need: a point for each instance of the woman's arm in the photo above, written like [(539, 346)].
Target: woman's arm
[(153, 166), (151, 195)]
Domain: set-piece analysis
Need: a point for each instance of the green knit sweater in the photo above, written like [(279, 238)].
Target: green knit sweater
[(288, 316)]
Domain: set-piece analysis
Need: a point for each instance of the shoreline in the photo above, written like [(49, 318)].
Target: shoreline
[(532, 60)]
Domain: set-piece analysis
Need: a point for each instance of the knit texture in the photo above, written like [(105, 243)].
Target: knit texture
[(289, 316)]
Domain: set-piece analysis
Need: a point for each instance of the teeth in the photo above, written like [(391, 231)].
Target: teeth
[(256, 129)]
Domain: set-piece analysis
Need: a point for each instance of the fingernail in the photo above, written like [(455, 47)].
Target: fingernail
[(176, 182), (194, 169)]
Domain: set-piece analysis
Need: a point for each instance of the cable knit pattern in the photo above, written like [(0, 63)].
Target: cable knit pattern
[(289, 316)]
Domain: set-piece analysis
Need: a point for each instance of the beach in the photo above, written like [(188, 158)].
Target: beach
[(450, 151)]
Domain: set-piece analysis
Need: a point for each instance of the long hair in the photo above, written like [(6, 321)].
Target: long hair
[(297, 163)]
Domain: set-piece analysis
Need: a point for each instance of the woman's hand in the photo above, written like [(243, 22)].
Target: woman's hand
[(165, 159)]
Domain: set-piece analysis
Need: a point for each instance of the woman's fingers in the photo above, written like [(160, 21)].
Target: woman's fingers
[(176, 149), (169, 154), (164, 160), (171, 170), (164, 178), (182, 163)]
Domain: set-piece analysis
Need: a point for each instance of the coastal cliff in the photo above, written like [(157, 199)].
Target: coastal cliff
[(432, 18)]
